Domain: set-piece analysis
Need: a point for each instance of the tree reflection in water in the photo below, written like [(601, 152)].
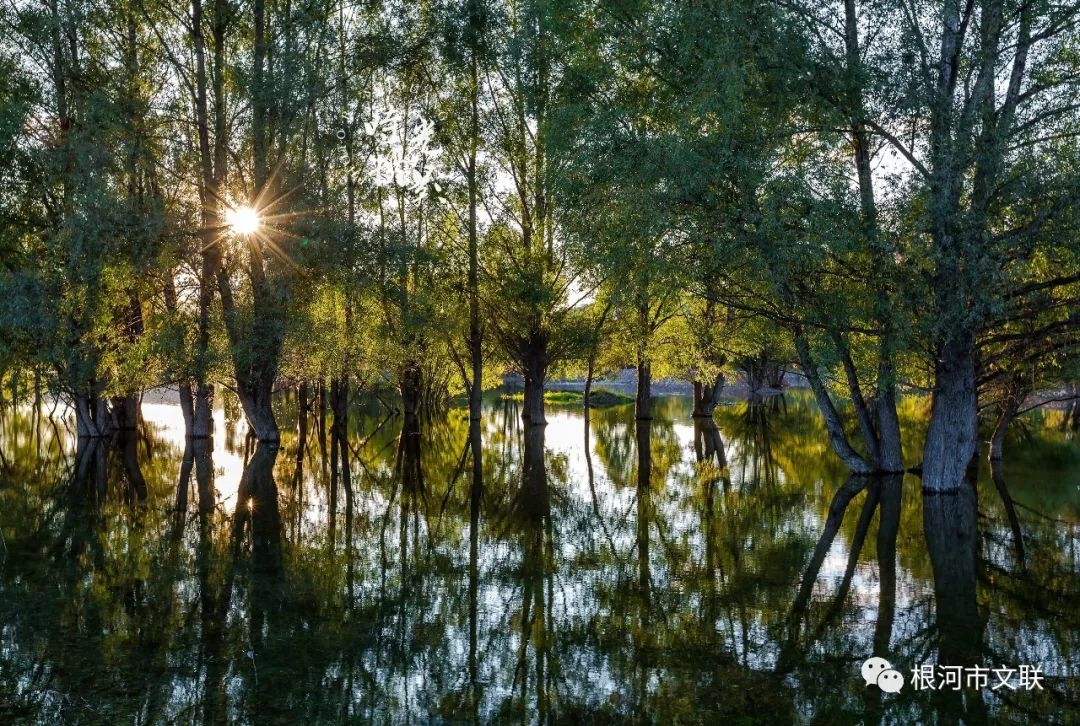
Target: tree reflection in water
[(596, 569)]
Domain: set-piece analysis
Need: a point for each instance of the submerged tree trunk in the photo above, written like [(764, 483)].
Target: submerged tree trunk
[(951, 437), (1005, 417), (91, 418), (837, 437), (707, 396), (890, 446), (411, 386), (535, 371), (590, 373), (256, 399), (125, 412), (642, 403)]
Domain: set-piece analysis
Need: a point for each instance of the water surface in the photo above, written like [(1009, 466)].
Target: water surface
[(595, 570)]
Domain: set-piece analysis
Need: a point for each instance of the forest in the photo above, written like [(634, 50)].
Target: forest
[(231, 199), (538, 361)]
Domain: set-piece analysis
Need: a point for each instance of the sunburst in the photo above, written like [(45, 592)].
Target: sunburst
[(259, 222), (243, 220)]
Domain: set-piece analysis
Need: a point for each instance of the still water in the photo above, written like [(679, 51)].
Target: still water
[(597, 570)]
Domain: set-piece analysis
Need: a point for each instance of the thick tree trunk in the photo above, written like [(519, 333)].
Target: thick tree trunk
[(257, 509), (203, 451), (339, 407), (187, 407), (89, 417), (533, 408), (707, 396), (125, 412), (535, 372), (256, 399), (890, 446), (203, 421), (951, 438), (91, 468), (643, 401), (302, 403)]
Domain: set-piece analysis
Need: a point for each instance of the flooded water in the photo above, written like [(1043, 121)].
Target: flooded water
[(595, 570)]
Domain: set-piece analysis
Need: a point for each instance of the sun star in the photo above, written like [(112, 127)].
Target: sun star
[(243, 220)]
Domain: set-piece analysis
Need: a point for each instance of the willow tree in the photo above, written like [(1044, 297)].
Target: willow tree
[(466, 55), (530, 303), (675, 122), (88, 218), (987, 96), (285, 45)]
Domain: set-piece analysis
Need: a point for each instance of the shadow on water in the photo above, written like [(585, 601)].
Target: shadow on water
[(379, 568)]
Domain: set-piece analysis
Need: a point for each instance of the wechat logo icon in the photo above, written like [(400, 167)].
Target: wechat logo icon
[(879, 672)]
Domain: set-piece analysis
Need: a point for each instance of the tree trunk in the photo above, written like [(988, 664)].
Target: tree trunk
[(203, 421), (136, 481), (837, 437), (411, 387), (949, 523), (1069, 418), (707, 396), (1005, 417), (586, 394), (890, 446), (998, 478), (535, 371), (211, 173), (862, 411), (256, 399), (475, 341), (183, 486), (644, 390), (892, 489), (87, 423), (476, 491), (533, 409), (951, 437), (301, 431), (125, 412), (187, 406)]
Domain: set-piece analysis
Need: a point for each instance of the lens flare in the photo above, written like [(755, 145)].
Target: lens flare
[(243, 220)]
